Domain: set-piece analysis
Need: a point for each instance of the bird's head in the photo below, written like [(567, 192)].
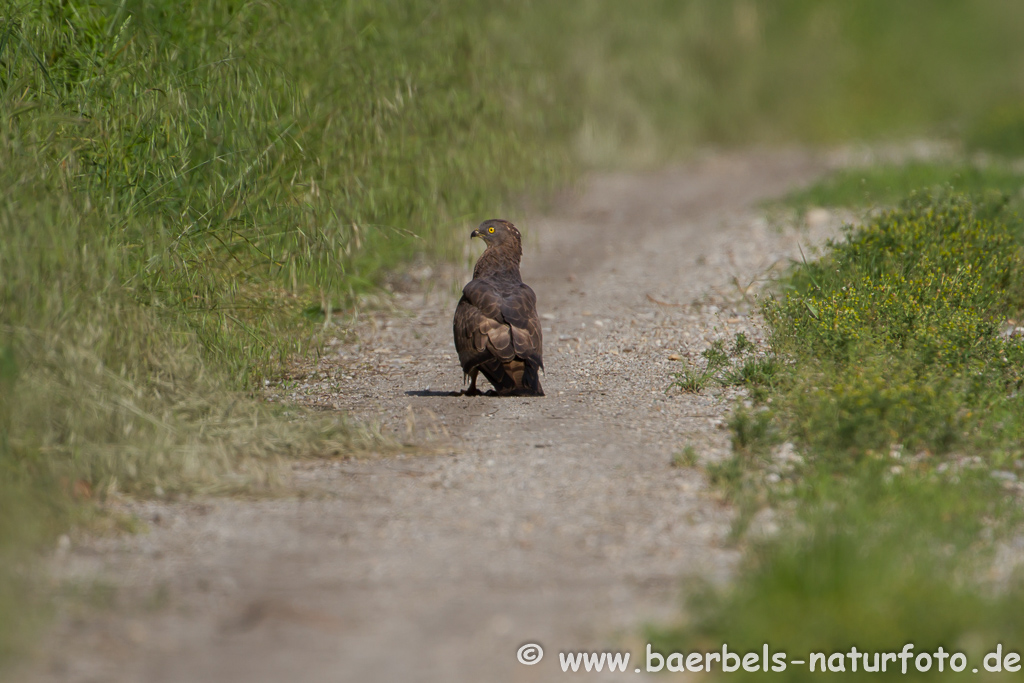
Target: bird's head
[(497, 232)]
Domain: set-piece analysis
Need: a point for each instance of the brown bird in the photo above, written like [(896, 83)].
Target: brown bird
[(497, 330)]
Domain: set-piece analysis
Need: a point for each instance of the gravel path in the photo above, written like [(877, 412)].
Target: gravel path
[(558, 520)]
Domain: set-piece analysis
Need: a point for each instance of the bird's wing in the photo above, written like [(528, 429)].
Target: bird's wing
[(513, 304), (486, 297), (479, 337), (520, 310)]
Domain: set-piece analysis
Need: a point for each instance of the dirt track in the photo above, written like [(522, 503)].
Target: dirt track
[(555, 520)]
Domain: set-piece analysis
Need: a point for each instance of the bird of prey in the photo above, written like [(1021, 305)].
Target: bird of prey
[(497, 330)]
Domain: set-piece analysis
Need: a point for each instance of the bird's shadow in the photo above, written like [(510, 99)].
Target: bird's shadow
[(452, 394)]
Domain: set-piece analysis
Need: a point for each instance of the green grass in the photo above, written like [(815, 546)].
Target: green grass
[(653, 81), (739, 365), (886, 185), (999, 130), (865, 577), (180, 182), (900, 394)]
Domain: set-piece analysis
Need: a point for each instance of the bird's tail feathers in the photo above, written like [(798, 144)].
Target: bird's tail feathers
[(514, 378)]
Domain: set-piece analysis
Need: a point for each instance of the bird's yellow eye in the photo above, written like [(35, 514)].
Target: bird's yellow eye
[(490, 229)]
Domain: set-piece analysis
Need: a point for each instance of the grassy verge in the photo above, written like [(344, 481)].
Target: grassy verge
[(887, 185), (179, 185), (651, 82), (890, 440)]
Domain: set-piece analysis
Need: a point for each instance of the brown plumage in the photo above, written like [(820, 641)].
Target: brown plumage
[(497, 330)]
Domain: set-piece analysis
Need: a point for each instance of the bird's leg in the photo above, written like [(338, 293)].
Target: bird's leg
[(472, 391)]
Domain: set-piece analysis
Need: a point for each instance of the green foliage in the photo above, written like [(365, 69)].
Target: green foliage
[(179, 183), (999, 130), (754, 372), (864, 575), (752, 431), (897, 396), (740, 365), (887, 185), (896, 333), (693, 380), (237, 170), (182, 180), (685, 458), (655, 79)]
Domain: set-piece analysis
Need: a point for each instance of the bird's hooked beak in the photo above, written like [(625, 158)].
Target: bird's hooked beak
[(476, 233)]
